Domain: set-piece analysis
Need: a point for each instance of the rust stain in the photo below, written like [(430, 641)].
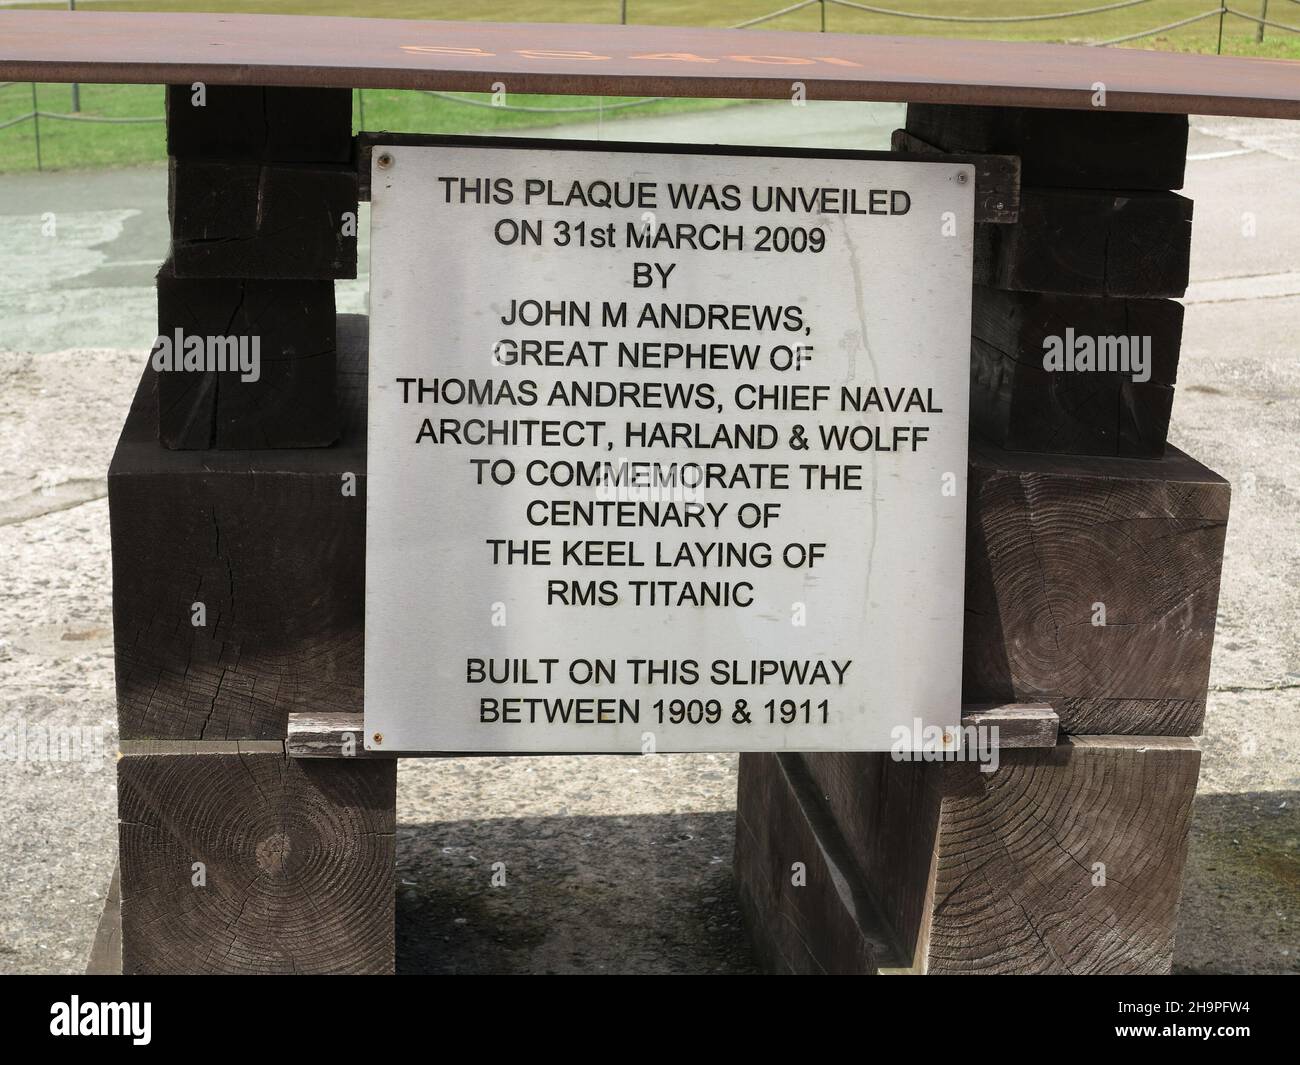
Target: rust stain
[(151, 47)]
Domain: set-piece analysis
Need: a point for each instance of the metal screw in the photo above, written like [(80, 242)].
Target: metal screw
[(384, 161), (961, 175), (378, 737)]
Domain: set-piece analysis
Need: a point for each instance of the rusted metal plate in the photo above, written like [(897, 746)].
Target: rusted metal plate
[(629, 61)]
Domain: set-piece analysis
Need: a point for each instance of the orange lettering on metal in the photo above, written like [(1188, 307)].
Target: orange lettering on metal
[(773, 60), (445, 49), (679, 57), (231, 49), (541, 53)]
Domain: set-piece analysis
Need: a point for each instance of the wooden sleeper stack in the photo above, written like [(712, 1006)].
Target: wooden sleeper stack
[(1093, 559), (237, 507), (262, 199)]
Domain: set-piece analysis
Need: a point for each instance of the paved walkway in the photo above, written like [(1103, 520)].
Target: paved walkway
[(618, 864)]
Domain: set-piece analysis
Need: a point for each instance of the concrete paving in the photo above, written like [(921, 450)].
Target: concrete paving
[(614, 864)]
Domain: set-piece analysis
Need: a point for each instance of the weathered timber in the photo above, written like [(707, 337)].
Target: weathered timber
[(252, 219), (1018, 403), (792, 871), (256, 863), (342, 735), (1090, 243), (1092, 584), (288, 403), (1097, 149), (271, 542), (105, 957), (315, 735), (997, 177), (887, 814), (1016, 724), (339, 735), (251, 122), (1066, 860), (182, 747)]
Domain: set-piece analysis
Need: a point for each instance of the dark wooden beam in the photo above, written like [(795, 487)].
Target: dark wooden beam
[(247, 219), (259, 123), (271, 542), (997, 177), (1095, 149), (1020, 404), (1090, 243), (290, 403)]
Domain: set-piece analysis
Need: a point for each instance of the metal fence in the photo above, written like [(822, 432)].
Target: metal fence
[(1222, 12)]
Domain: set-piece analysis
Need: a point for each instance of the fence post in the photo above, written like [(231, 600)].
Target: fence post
[(1259, 30), (36, 125), (76, 89)]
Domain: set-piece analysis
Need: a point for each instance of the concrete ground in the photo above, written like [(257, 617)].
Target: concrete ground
[(614, 864)]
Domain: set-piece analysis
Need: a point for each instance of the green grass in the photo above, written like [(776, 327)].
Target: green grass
[(1199, 36), (81, 144), (417, 112), (69, 144)]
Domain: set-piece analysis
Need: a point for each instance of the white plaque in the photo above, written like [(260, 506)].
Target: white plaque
[(667, 449)]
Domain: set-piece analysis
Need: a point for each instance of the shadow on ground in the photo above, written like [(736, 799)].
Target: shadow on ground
[(655, 893), (1240, 889), (621, 894)]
